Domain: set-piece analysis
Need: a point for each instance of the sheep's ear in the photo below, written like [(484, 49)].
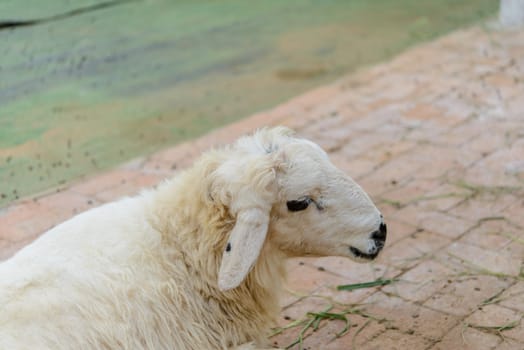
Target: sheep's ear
[(243, 247), (248, 188)]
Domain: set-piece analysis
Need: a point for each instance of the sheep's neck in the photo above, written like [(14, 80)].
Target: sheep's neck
[(196, 226)]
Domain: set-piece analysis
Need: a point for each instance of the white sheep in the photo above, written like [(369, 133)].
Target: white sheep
[(196, 263)]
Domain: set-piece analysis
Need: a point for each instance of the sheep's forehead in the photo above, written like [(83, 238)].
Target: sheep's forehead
[(312, 149), (309, 166), (270, 141), (306, 155)]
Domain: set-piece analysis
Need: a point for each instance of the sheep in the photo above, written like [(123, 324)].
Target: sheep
[(196, 263)]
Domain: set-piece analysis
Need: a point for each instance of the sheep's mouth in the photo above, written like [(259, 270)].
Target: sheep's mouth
[(360, 254)]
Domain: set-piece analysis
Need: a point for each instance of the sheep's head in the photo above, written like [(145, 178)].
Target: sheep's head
[(285, 189)]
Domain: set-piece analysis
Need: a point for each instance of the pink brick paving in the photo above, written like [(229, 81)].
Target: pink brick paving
[(436, 136)]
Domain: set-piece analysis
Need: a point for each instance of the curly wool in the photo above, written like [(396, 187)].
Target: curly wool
[(140, 273)]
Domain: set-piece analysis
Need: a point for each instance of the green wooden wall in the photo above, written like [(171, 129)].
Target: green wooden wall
[(87, 84)]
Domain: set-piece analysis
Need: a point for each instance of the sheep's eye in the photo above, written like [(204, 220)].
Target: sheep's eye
[(298, 205)]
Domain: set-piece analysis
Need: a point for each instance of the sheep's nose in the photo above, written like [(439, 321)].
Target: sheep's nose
[(380, 234)]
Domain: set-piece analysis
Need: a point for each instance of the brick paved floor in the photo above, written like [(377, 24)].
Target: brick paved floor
[(436, 136)]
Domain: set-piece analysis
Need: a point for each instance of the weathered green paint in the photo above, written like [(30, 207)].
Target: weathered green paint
[(83, 93), (32, 9)]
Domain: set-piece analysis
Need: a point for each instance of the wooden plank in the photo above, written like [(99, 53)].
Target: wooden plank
[(82, 93)]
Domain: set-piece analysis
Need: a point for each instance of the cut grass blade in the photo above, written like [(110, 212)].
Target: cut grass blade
[(361, 328), (312, 322), (378, 282), (319, 316), (495, 329), (493, 299)]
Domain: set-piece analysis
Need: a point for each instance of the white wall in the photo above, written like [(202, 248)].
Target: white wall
[(511, 13)]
